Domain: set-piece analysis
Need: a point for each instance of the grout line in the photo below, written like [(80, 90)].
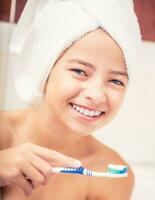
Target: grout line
[(13, 11)]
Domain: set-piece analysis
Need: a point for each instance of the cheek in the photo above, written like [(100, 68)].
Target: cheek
[(61, 89), (116, 100)]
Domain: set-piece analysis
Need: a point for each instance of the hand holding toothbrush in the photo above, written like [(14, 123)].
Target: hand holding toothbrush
[(28, 165)]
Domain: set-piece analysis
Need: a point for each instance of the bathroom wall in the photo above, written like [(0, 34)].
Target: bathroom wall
[(7, 14), (5, 32)]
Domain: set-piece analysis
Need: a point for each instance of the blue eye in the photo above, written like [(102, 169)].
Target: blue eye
[(79, 71), (117, 82)]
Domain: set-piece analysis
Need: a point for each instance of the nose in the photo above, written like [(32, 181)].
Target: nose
[(96, 94)]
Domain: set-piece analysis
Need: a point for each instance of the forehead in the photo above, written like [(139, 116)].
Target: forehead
[(95, 47), (97, 43)]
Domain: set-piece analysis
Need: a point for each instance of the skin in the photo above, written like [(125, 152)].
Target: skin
[(54, 124)]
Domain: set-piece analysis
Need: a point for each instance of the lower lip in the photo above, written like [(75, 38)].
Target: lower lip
[(84, 117)]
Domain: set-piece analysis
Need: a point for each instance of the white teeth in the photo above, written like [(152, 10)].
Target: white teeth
[(93, 113), (78, 108), (81, 110), (86, 112), (97, 113)]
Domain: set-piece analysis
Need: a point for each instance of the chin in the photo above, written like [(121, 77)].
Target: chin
[(81, 129)]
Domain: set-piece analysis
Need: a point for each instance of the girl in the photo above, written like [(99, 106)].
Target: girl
[(75, 77)]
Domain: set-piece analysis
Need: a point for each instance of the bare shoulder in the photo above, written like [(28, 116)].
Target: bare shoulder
[(110, 188), (8, 120)]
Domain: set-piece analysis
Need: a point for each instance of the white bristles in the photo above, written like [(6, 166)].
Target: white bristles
[(107, 174)]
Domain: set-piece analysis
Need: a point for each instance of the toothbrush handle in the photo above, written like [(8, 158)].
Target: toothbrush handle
[(64, 170)]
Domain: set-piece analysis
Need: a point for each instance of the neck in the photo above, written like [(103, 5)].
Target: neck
[(41, 128)]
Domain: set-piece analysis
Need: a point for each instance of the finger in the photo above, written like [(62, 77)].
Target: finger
[(54, 157), (33, 175), (41, 165), (25, 185)]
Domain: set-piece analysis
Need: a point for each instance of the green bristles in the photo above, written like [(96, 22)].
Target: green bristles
[(117, 169)]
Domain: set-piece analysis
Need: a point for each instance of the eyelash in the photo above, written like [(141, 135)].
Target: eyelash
[(77, 71), (117, 82)]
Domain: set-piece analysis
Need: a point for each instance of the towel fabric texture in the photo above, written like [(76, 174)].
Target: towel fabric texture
[(48, 27)]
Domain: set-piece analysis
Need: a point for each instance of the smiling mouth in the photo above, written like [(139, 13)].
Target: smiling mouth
[(86, 112)]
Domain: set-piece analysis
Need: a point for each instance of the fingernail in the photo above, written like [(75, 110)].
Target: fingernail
[(77, 163)]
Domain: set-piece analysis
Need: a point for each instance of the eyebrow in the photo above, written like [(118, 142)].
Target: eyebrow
[(122, 73), (82, 62)]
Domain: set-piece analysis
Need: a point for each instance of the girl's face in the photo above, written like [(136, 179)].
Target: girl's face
[(86, 87)]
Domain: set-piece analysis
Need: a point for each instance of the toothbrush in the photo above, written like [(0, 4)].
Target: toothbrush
[(115, 171)]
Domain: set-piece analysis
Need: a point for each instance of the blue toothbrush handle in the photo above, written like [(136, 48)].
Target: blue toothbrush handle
[(69, 170), (79, 170)]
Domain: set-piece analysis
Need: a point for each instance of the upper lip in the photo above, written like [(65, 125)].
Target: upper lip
[(88, 108)]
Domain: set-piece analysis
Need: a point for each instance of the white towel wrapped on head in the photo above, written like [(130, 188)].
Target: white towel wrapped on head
[(47, 27)]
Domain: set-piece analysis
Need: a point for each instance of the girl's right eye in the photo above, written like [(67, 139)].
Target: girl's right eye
[(79, 71)]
